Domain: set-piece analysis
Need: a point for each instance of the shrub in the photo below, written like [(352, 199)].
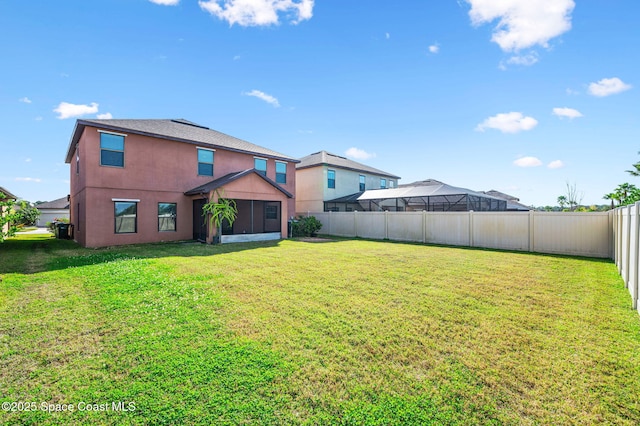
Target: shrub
[(305, 226)]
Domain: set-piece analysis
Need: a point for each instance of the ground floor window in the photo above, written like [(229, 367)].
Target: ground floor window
[(167, 214), (126, 217)]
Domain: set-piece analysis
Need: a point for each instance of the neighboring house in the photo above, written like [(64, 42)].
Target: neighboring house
[(513, 203), (6, 195), (52, 210), (140, 181), (427, 195), (323, 177)]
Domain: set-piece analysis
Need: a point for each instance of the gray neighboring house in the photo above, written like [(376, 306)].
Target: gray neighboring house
[(56, 209), (513, 203)]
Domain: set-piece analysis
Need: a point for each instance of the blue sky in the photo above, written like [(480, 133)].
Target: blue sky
[(521, 96)]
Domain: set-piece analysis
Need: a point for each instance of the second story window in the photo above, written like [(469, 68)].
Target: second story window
[(205, 162), (260, 164), (362, 183), (391, 184), (111, 149), (383, 184), (281, 172), (331, 179), (77, 160)]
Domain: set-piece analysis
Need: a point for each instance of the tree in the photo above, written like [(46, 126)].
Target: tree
[(636, 169), (220, 210), (624, 194), (27, 214), (574, 197), (562, 202), (8, 217)]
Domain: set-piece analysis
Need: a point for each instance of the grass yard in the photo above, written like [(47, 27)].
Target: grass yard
[(292, 332)]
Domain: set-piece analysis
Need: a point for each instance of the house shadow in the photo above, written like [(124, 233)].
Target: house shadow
[(35, 254)]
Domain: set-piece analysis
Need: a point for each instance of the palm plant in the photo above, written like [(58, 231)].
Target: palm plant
[(220, 210)]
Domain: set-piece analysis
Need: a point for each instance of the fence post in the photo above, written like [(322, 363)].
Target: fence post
[(628, 248), (424, 227), (470, 228), (636, 243), (330, 233), (386, 224), (620, 239), (355, 223), (531, 231)]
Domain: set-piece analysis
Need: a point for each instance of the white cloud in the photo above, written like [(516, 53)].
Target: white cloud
[(166, 2), (608, 86), (434, 48), (248, 13), (27, 160), (359, 154), (567, 112), (105, 116), (523, 23), (556, 164), (387, 36), (28, 179), (25, 100), (524, 60), (67, 110), (265, 97), (572, 92), (527, 162), (510, 122), (38, 118)]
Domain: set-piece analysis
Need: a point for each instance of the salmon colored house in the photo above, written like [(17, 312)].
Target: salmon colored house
[(141, 181)]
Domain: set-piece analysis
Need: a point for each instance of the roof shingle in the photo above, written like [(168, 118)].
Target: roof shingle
[(179, 130)]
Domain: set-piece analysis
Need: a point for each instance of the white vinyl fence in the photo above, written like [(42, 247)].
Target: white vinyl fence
[(626, 241), (577, 234)]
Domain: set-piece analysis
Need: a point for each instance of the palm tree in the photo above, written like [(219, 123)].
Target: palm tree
[(611, 196), (636, 171)]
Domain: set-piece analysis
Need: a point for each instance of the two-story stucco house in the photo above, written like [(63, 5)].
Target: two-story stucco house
[(140, 181), (323, 177)]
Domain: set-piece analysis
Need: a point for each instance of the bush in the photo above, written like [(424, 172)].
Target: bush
[(50, 225), (305, 226)]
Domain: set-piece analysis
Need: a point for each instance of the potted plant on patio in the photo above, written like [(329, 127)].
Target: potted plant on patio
[(220, 210)]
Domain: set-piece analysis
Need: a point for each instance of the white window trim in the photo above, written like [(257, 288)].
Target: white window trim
[(205, 149), (125, 200), (112, 133)]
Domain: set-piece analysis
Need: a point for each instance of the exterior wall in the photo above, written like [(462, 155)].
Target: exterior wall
[(313, 190), (49, 215), (578, 234), (310, 185), (155, 170)]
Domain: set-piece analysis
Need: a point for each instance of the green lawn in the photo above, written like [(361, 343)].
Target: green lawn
[(290, 332)]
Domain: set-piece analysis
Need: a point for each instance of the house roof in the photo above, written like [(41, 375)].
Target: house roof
[(8, 195), (425, 188), (59, 204), (178, 130), (220, 182), (512, 202), (324, 158), (502, 195)]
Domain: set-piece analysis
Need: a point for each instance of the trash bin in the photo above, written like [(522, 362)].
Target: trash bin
[(62, 230)]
